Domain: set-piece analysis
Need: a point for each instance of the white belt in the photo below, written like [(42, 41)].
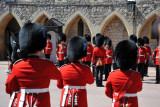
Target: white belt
[(12, 98), (141, 55), (157, 57), (24, 91), (48, 48), (88, 53), (61, 52), (109, 56), (128, 95), (66, 92), (74, 87)]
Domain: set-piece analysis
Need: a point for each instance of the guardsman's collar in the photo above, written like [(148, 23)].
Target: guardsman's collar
[(33, 56)]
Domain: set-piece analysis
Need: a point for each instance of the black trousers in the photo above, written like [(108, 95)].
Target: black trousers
[(134, 68), (93, 70), (99, 75), (141, 69), (146, 68), (61, 62), (47, 56), (157, 74), (88, 63), (107, 70)]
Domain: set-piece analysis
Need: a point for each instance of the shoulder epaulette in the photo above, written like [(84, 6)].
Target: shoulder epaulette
[(17, 61)]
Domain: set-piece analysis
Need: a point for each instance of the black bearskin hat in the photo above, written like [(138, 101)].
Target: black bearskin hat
[(48, 36), (94, 42), (99, 40), (134, 38), (146, 40), (126, 54), (77, 48), (140, 42), (107, 41), (32, 38), (88, 37), (61, 37)]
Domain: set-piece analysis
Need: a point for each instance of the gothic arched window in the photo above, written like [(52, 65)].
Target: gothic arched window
[(80, 28)]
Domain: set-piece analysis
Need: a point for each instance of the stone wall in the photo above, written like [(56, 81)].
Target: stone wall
[(95, 14), (116, 30)]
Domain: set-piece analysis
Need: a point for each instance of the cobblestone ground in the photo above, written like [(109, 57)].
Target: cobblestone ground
[(149, 97)]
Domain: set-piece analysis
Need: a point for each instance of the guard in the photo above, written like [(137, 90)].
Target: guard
[(99, 55), (87, 60), (109, 56), (148, 54), (75, 75), (61, 49), (48, 48), (141, 59), (30, 77), (122, 85)]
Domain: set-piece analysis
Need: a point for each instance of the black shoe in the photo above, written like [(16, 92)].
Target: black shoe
[(142, 79), (156, 82), (147, 76), (105, 80)]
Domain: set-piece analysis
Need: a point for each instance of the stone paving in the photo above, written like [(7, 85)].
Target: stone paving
[(148, 97)]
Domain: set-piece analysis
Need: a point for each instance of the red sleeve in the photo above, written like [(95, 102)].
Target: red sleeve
[(55, 73), (139, 83), (91, 49), (150, 53), (153, 55), (109, 90), (60, 82), (11, 83), (93, 56), (90, 76), (145, 52), (66, 50)]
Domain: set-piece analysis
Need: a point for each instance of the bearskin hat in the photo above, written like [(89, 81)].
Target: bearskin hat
[(107, 41), (32, 38), (134, 38), (94, 42), (140, 42), (99, 40), (146, 40), (48, 36), (61, 37), (77, 48), (87, 37), (126, 54)]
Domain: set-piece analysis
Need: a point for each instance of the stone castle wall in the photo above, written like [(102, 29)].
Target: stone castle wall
[(109, 17)]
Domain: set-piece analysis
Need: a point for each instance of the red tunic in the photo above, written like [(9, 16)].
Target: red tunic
[(48, 48), (60, 52), (148, 51), (156, 57), (99, 54), (33, 73), (109, 55), (117, 79), (89, 53), (141, 56), (75, 74)]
